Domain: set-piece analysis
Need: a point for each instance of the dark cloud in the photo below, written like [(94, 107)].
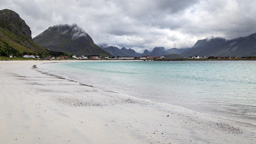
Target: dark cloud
[(142, 23)]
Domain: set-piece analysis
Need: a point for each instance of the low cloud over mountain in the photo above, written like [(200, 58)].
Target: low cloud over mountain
[(141, 24)]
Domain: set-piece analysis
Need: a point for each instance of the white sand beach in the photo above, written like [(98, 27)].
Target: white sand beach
[(37, 107)]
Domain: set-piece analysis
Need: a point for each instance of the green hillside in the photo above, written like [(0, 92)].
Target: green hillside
[(15, 36)]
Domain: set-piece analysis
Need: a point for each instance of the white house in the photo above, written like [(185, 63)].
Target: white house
[(195, 57), (74, 57), (29, 56), (145, 57), (84, 57)]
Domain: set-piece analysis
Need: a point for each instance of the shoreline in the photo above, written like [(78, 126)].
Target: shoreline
[(62, 111), (179, 59), (237, 120)]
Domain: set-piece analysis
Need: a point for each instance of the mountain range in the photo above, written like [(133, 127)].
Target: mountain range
[(70, 39), (157, 51), (15, 35), (114, 51), (15, 39), (239, 47)]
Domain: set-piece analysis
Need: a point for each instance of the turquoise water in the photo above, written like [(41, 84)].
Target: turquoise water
[(224, 88)]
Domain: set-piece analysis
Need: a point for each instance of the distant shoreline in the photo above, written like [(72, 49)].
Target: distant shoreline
[(180, 59), (239, 59)]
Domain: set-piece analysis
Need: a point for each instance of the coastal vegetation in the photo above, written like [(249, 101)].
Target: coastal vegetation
[(15, 36), (15, 58)]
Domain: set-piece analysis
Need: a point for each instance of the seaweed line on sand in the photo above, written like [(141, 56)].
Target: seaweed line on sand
[(60, 77)]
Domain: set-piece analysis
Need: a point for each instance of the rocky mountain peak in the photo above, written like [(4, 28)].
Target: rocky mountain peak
[(69, 39), (11, 21), (159, 49), (72, 30), (146, 52), (209, 42)]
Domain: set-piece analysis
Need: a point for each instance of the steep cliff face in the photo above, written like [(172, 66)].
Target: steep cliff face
[(11, 21), (15, 35), (70, 39)]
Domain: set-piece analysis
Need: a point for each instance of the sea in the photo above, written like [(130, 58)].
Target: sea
[(223, 88)]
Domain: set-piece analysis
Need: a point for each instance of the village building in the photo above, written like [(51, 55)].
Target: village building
[(159, 57), (29, 56), (146, 58), (195, 57), (94, 57)]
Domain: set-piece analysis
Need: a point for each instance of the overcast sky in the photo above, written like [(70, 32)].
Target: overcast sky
[(142, 24)]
